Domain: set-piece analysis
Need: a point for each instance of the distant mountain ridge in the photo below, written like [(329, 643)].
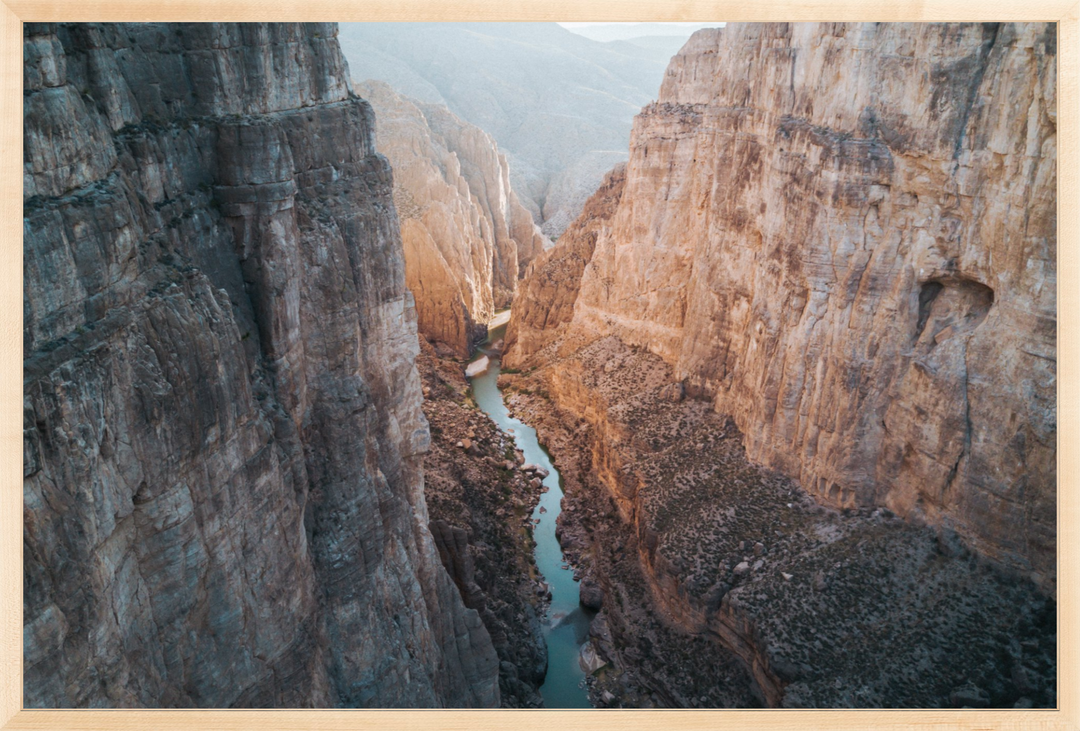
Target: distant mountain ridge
[(559, 105), (607, 32)]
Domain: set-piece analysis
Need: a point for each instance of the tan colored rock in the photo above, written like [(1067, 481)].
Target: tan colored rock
[(844, 234), (691, 509), (550, 287), (466, 236)]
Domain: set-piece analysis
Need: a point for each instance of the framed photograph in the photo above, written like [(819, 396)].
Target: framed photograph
[(631, 364)]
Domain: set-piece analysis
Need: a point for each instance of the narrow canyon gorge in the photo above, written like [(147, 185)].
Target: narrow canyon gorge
[(467, 238), (771, 424)]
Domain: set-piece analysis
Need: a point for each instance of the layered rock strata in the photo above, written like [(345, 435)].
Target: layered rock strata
[(806, 606), (844, 235), (223, 443), (467, 238)]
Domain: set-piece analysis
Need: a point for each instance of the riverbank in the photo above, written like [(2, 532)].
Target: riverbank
[(477, 510), (565, 628), (725, 584)]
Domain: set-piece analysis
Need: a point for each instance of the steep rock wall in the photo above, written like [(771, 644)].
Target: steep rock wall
[(845, 235), (466, 236), (223, 429), (551, 284)]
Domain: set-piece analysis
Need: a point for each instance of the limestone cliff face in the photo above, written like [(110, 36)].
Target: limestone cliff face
[(551, 283), (465, 234), (223, 427), (845, 236)]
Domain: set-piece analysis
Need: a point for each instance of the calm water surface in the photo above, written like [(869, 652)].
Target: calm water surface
[(567, 624)]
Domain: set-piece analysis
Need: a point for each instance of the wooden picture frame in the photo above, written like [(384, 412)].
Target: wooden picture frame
[(14, 12)]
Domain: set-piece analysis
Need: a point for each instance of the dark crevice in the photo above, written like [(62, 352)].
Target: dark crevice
[(927, 294), (990, 34)]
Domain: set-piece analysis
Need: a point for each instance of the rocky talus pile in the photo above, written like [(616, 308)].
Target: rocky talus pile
[(723, 584), (479, 503)]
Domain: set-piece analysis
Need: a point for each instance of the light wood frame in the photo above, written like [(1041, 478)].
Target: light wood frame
[(14, 12)]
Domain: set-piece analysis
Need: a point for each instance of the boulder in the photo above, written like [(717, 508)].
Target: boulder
[(590, 594), (478, 366)]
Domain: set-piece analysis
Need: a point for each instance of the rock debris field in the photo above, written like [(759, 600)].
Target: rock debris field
[(824, 608)]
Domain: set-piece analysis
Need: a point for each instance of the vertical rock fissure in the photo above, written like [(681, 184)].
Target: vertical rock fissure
[(990, 34)]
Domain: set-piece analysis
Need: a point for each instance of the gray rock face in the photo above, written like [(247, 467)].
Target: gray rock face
[(222, 417)]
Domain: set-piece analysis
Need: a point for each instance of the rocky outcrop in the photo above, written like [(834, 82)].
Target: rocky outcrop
[(551, 284), (477, 508), (844, 235), (223, 428), (466, 237)]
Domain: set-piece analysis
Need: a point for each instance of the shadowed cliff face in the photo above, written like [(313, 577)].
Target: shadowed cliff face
[(844, 235), (466, 236), (223, 429)]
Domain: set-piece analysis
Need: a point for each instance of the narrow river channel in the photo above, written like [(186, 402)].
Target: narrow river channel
[(567, 624)]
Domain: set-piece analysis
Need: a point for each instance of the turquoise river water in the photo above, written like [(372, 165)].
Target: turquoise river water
[(567, 624)]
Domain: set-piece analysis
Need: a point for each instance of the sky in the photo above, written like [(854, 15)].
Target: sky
[(605, 22), (606, 31)]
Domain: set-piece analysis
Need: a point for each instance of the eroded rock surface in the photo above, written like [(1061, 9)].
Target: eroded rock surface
[(467, 238), (844, 235), (825, 298), (550, 288), (223, 434)]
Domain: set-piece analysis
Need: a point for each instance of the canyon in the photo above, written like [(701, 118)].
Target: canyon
[(833, 244), (466, 237), (786, 381)]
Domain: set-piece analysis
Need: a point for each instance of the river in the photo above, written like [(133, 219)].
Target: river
[(567, 624)]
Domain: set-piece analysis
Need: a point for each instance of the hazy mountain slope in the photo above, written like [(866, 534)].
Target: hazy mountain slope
[(607, 32), (664, 47), (559, 105)]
